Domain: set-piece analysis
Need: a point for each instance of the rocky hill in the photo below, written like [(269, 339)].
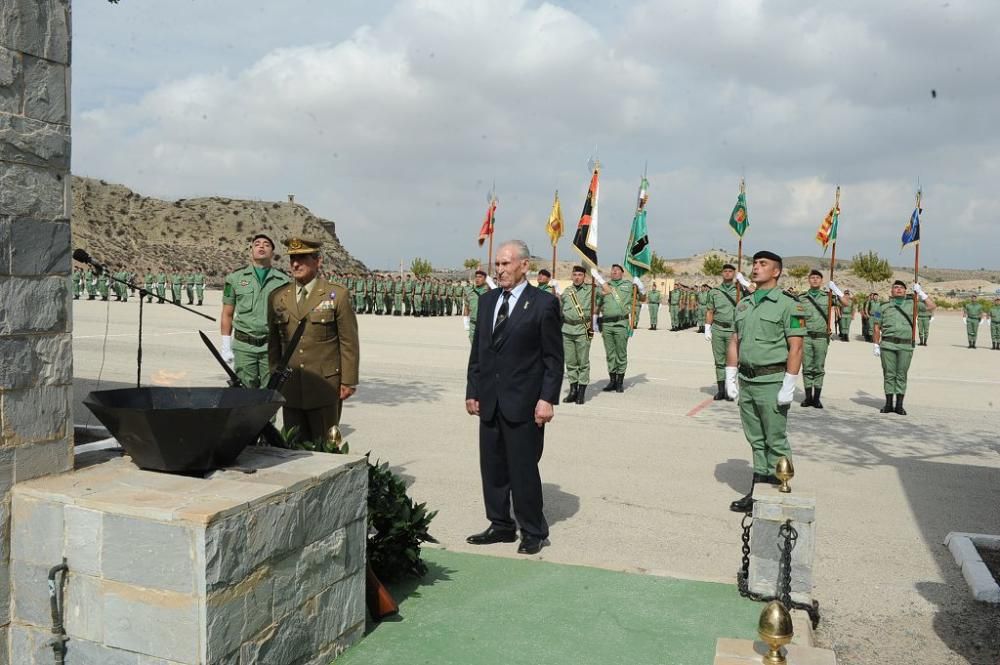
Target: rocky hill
[(122, 228)]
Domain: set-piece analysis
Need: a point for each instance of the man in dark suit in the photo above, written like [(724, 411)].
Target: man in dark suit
[(515, 373)]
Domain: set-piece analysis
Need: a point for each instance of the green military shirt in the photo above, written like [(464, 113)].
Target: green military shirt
[(547, 288), (895, 318), (995, 314), (764, 322), (575, 313), (973, 310), (199, 278), (722, 302), (817, 303), (675, 296), (703, 297), (249, 296), (654, 297), (617, 303), (473, 298), (922, 311)]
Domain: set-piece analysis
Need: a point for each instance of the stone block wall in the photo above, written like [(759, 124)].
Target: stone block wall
[(771, 509), (36, 363), (235, 569)]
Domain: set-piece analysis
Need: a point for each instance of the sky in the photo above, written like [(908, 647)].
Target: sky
[(394, 118)]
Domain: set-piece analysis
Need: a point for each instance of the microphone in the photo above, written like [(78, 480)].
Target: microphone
[(82, 256)]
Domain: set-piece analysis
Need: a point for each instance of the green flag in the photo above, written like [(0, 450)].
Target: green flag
[(739, 221), (638, 253)]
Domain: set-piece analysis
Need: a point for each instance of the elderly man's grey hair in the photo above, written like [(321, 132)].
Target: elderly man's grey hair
[(520, 246)]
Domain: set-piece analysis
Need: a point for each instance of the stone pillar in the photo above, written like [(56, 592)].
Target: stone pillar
[(771, 509), (36, 362)]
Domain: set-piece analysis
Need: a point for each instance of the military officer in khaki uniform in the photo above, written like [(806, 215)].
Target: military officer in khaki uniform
[(577, 333), (762, 364), (325, 363), (893, 322), (243, 323)]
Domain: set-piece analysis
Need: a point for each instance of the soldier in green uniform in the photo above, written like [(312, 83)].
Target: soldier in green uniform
[(653, 299), (702, 300), (615, 302), (175, 288), (418, 296), (148, 282), (577, 332), (477, 289), (359, 294), (674, 301), (389, 295), (893, 321), (161, 287), (397, 296), (865, 310), (846, 316), (124, 276), (102, 285), (720, 320), (545, 281), (199, 287), (924, 317), (77, 283), (762, 363), (90, 281), (244, 313), (441, 297), (114, 286), (187, 280), (817, 342), (972, 315), (408, 295), (994, 322)]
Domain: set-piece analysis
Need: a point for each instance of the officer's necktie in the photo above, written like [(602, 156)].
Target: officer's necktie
[(303, 294), (503, 313)]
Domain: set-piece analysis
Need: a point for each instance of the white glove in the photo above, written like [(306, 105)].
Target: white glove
[(597, 276), (465, 323), (555, 286), (639, 285), (932, 318), (742, 280), (919, 291), (708, 333), (732, 384), (787, 392), (876, 351), (593, 323), (836, 289), (965, 319), (490, 282), (227, 350)]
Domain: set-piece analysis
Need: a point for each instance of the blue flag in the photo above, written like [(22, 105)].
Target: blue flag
[(912, 231)]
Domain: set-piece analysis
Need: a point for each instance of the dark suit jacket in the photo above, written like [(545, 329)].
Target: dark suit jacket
[(524, 363)]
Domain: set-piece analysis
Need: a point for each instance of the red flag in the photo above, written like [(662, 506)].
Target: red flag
[(487, 229)]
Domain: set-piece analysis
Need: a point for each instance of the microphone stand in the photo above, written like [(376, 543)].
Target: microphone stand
[(100, 267)]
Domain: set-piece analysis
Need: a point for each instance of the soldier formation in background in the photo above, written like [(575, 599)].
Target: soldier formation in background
[(102, 287), (394, 295)]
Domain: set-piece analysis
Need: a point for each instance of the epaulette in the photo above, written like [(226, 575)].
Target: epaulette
[(791, 295)]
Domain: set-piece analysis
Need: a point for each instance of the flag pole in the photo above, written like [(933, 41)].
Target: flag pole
[(833, 263), (916, 275), (739, 249)]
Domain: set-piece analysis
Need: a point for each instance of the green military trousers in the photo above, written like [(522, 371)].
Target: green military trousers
[(615, 337), (923, 327), (845, 326), (765, 424), (895, 366), (995, 331), (702, 310), (576, 349), (654, 314), (972, 329), (251, 365), (720, 342), (675, 322), (200, 290), (814, 360)]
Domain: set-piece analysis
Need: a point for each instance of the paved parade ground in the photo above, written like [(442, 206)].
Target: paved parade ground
[(642, 481)]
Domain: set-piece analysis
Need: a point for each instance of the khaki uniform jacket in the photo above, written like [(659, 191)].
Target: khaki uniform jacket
[(327, 354)]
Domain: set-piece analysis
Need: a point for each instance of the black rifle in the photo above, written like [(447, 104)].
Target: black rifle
[(270, 433)]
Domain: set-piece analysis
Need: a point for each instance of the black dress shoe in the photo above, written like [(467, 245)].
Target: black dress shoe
[(530, 545), (744, 505), (492, 535)]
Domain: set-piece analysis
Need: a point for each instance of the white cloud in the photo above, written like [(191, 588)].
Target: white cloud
[(397, 129)]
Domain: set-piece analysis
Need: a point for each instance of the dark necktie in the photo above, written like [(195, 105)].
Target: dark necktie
[(503, 313)]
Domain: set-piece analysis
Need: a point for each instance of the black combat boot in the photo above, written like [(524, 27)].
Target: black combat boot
[(745, 504), (571, 395), (888, 408), (899, 405), (620, 384), (816, 403), (809, 398), (581, 392), (721, 393), (612, 384)]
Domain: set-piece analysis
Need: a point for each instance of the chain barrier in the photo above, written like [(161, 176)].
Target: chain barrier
[(788, 536)]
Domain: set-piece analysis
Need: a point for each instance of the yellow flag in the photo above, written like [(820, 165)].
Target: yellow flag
[(555, 225)]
